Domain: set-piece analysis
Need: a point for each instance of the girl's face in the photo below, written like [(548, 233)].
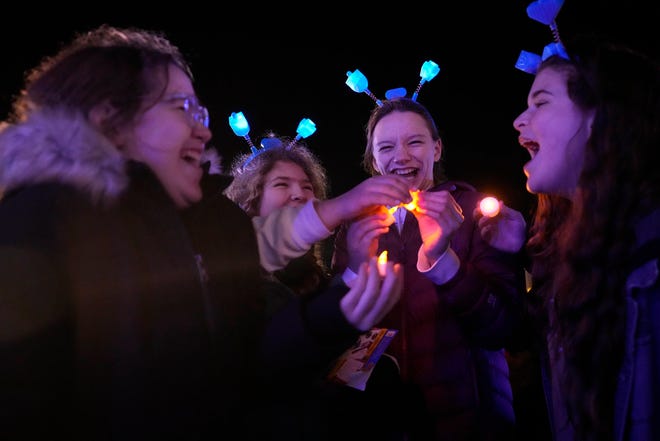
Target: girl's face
[(554, 130), (169, 137), (402, 145), (286, 184)]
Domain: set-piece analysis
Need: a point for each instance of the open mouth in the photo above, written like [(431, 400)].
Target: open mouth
[(192, 156), (531, 146), (406, 172)]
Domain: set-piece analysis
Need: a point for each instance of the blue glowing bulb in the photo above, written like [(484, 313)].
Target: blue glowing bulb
[(429, 70), (239, 124), (357, 81), (544, 11), (528, 62), (305, 128)]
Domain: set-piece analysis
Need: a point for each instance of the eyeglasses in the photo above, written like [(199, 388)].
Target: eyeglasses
[(197, 113)]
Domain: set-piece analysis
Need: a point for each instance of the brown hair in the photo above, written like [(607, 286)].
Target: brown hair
[(107, 64), (592, 246), (401, 104), (249, 172)]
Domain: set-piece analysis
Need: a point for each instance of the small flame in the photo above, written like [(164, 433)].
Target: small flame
[(382, 263), (410, 206)]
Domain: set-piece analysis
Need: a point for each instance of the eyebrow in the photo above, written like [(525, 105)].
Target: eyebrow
[(541, 91), (180, 96), (289, 178)]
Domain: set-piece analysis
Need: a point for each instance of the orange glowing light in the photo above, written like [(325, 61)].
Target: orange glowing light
[(410, 206), (382, 263), (489, 206)]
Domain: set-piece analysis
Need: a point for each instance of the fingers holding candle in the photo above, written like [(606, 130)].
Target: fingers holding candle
[(383, 292), (372, 295), (503, 228), (390, 292), (363, 236)]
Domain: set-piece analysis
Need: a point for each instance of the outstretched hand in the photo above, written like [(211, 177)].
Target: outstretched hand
[(382, 190), (506, 231), (372, 296)]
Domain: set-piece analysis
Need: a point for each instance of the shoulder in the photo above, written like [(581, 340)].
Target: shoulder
[(53, 145), (40, 216), (39, 201), (464, 193), (454, 187)]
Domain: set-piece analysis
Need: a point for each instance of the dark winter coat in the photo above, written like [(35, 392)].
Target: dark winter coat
[(122, 317)]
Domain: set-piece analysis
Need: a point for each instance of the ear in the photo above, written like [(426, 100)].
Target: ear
[(437, 150), (98, 117)]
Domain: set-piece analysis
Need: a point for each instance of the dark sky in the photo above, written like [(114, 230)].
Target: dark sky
[(278, 67)]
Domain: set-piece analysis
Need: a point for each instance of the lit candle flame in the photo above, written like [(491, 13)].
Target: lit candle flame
[(489, 206), (410, 206), (382, 263)]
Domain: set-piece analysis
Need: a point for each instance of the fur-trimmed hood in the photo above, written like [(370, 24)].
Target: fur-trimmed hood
[(54, 145)]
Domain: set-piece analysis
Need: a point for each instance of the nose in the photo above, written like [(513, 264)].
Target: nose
[(520, 121), (401, 153), (202, 133), (297, 193)]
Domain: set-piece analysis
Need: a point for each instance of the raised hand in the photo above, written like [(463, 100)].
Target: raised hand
[(507, 231), (372, 296), (439, 216)]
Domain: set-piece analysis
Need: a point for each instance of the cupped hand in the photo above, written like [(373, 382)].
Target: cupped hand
[(372, 296)]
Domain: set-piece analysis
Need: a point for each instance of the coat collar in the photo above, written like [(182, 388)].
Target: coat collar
[(56, 146)]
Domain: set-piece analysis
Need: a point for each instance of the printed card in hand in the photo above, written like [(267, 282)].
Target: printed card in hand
[(354, 366)]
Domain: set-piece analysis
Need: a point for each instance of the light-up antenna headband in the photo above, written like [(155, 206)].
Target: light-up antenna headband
[(241, 127), (543, 11), (359, 83)]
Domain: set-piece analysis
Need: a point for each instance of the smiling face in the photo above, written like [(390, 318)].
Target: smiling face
[(286, 184), (170, 141), (554, 130), (403, 145)]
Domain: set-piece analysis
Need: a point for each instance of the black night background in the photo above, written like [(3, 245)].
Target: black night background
[(278, 67)]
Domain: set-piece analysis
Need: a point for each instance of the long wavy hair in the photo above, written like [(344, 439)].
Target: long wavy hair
[(582, 248), (307, 273)]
